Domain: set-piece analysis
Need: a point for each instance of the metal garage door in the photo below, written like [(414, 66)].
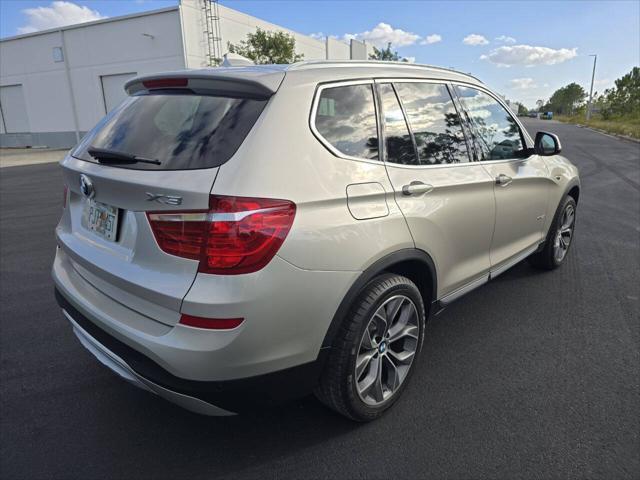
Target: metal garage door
[(113, 89), (14, 111)]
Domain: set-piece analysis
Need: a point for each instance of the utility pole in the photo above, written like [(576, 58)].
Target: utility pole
[(593, 76)]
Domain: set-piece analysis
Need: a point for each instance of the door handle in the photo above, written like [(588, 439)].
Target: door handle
[(416, 187), (503, 180)]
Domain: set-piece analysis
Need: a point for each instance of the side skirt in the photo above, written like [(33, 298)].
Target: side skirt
[(439, 305)]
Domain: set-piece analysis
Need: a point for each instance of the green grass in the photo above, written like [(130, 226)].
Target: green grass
[(628, 126)]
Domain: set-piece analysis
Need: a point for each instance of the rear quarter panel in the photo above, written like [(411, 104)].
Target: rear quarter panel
[(281, 158)]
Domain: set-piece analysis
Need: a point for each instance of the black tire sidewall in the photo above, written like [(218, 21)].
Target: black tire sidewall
[(361, 410)]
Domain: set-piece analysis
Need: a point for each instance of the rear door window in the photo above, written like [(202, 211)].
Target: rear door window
[(181, 131), (398, 141), (346, 119), (435, 123)]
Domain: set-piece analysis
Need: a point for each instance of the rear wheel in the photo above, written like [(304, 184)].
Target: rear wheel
[(373, 358), (559, 238)]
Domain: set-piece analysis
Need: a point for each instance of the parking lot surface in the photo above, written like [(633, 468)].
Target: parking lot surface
[(535, 375), (15, 157)]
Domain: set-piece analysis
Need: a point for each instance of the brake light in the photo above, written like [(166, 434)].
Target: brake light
[(210, 323), (236, 235), (165, 83), (65, 194)]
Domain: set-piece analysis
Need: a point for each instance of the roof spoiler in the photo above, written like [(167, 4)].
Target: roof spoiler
[(233, 82)]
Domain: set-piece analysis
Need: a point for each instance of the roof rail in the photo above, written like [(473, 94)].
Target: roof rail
[(368, 63)]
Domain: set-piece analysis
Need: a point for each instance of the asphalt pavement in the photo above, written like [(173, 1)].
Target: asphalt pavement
[(535, 375)]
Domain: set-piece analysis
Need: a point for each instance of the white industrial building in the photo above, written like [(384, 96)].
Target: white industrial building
[(57, 84)]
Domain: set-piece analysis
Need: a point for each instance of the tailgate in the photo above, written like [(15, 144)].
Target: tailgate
[(159, 151), (131, 268)]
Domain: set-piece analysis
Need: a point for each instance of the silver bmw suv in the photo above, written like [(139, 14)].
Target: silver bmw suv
[(241, 236)]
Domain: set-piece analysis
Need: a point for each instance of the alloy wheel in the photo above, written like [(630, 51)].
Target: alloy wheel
[(564, 234), (387, 349)]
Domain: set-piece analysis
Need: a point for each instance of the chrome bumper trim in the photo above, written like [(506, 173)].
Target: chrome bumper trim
[(120, 367)]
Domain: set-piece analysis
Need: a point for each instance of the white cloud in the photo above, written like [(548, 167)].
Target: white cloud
[(57, 14), (505, 39), (382, 34), (410, 59), (522, 83), (429, 39), (475, 39), (528, 55), (318, 35)]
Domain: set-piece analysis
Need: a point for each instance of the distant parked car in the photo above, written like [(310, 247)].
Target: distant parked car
[(533, 114), (547, 116), (243, 235)]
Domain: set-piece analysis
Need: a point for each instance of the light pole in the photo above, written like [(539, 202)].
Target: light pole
[(593, 76)]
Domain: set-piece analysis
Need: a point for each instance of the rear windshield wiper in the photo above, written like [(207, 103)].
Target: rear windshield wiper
[(104, 155)]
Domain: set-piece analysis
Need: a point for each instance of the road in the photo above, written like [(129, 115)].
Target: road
[(535, 375)]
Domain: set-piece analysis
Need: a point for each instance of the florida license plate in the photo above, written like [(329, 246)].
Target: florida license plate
[(102, 219)]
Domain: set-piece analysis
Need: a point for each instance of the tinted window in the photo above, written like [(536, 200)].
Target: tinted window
[(398, 142), (346, 118), (182, 131), (435, 123), (497, 135)]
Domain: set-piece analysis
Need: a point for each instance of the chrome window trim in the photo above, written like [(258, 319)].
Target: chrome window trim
[(407, 123), (453, 83), (456, 165), (503, 104), (380, 161), (324, 141), (448, 87)]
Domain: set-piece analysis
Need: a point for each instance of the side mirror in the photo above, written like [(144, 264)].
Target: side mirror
[(547, 144)]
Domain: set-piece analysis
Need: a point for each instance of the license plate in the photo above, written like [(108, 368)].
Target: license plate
[(102, 219)]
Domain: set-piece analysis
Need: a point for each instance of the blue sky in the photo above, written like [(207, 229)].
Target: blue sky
[(545, 44)]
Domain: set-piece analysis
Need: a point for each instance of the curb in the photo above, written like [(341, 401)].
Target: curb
[(604, 132)]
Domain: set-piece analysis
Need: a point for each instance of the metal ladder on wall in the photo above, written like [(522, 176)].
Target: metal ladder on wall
[(212, 32)]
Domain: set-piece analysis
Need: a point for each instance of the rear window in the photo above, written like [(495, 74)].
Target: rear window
[(346, 118), (182, 131)]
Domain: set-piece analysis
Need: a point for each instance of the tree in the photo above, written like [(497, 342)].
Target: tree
[(268, 47), (540, 104), (522, 110), (386, 54), (566, 99), (624, 98)]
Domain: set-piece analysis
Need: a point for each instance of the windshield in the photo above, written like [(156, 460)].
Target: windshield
[(182, 131)]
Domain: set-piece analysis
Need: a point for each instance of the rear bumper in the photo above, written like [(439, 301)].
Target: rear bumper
[(208, 398), (286, 312), (119, 366)]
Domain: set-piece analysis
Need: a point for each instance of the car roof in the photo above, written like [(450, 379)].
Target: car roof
[(328, 70), (265, 79), (378, 69)]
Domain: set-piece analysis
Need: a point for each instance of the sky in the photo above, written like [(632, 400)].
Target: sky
[(523, 49)]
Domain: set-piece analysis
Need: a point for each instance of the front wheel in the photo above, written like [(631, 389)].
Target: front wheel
[(376, 348), (559, 238)]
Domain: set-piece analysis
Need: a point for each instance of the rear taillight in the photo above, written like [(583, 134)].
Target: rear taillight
[(65, 194), (236, 235)]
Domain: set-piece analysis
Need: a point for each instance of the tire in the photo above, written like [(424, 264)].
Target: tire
[(347, 391), (549, 258)]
